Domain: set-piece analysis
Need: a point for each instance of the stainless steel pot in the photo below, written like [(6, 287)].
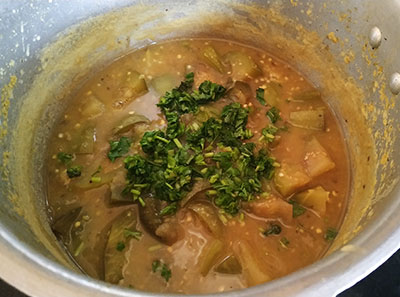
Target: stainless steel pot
[(48, 47)]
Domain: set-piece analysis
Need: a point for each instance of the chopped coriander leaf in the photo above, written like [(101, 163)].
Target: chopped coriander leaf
[(284, 242), (175, 128), (158, 266), (98, 170), (208, 92), (176, 157), (260, 96), (95, 179), (265, 164), (273, 229), (284, 128), (269, 133), (74, 171), (235, 117), (65, 158), (154, 142), (168, 181), (187, 83), (208, 132), (178, 99), (330, 234), (273, 114), (120, 246), (155, 265), (119, 148), (169, 210), (298, 210), (178, 143), (166, 272), (181, 100), (135, 234)]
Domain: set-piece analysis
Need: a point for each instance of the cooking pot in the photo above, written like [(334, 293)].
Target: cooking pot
[(348, 49)]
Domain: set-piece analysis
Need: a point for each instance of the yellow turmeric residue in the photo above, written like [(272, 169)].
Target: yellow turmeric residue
[(384, 159), (6, 95), (332, 37), (5, 171), (348, 57)]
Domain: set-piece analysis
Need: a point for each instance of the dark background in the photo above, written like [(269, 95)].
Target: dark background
[(383, 282)]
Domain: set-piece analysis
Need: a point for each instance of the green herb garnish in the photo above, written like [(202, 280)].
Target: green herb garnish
[(158, 266), (65, 158), (175, 157), (119, 148), (298, 210), (74, 171), (169, 210), (260, 96), (284, 242), (94, 178), (134, 234), (234, 117), (269, 133), (182, 100), (330, 234), (273, 229), (120, 246), (273, 114)]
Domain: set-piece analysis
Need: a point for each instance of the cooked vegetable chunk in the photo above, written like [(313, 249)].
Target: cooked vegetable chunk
[(243, 66), (271, 93), (315, 199), (307, 95), (92, 108), (136, 83), (308, 119), (129, 122), (150, 214), (208, 216), (209, 255), (240, 92), (317, 159), (169, 231), (251, 266), (83, 142), (212, 58), (164, 83), (133, 87), (62, 226), (117, 242), (272, 208), (230, 265), (290, 178), (117, 186)]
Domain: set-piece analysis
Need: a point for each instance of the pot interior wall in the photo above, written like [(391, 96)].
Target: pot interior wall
[(326, 42)]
